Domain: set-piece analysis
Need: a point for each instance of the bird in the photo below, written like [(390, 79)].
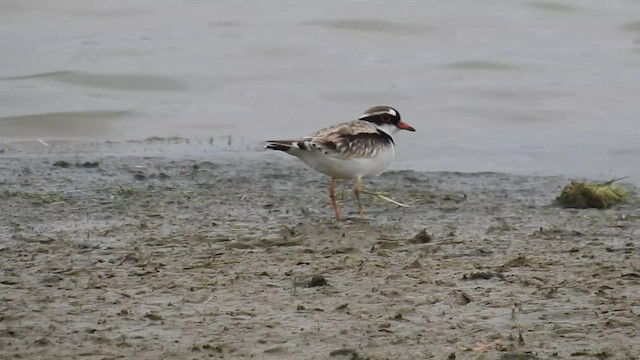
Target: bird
[(350, 150)]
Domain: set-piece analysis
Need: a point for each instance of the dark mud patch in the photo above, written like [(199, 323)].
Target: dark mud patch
[(210, 260)]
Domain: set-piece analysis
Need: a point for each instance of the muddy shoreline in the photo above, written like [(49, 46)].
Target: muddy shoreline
[(143, 249)]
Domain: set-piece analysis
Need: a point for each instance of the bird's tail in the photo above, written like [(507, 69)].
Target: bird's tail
[(282, 145)]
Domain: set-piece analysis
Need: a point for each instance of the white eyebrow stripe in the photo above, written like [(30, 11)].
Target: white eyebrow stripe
[(389, 112)]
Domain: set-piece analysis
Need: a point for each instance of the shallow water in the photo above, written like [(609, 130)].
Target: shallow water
[(520, 86)]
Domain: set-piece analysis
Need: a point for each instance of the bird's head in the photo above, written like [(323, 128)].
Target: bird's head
[(385, 118)]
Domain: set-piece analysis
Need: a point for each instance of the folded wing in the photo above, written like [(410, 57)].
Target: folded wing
[(356, 139)]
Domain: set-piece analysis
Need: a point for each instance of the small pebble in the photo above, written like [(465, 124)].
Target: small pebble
[(62, 164), (51, 279), (89, 164), (482, 275), (317, 280), (422, 237)]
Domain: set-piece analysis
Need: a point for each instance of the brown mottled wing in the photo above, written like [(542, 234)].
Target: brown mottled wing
[(355, 139)]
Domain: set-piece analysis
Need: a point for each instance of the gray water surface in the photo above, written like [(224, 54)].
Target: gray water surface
[(521, 86)]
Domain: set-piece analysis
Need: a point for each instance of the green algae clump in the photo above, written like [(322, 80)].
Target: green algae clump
[(581, 195)]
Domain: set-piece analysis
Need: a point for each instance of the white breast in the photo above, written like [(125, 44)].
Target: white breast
[(348, 168)]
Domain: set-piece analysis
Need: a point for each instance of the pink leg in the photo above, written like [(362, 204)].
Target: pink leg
[(333, 200), (356, 190)]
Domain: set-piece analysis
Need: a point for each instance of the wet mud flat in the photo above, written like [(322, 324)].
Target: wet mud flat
[(123, 250)]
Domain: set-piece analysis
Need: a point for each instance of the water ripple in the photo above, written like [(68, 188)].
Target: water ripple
[(372, 26), (137, 82)]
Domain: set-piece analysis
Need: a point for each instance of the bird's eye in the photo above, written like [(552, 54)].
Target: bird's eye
[(386, 118)]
